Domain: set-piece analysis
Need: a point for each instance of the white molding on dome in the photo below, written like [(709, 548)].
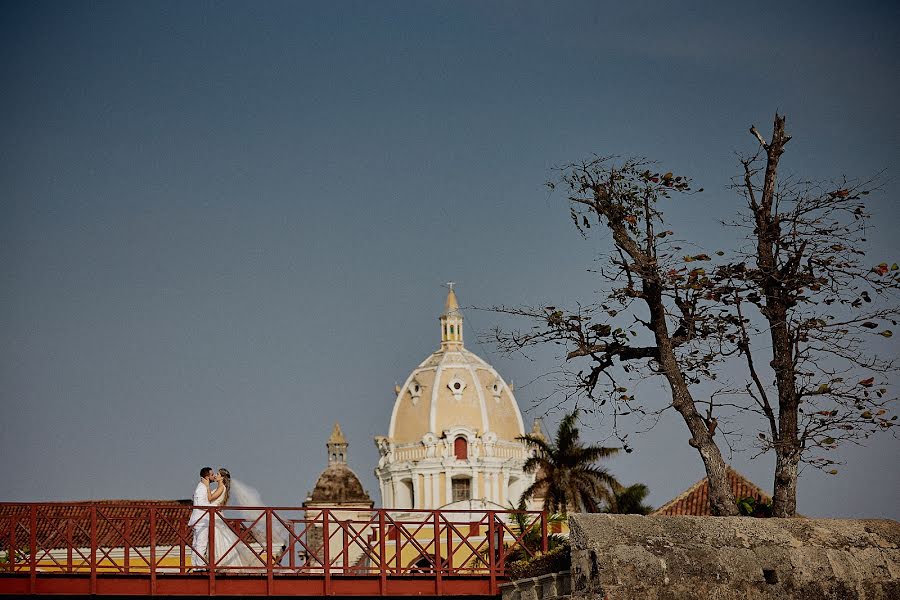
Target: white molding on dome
[(512, 398), (457, 430), (432, 416), (485, 425)]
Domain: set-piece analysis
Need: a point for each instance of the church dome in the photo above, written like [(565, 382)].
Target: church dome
[(339, 485), (454, 391)]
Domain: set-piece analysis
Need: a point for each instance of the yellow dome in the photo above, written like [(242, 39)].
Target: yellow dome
[(452, 389), (452, 438)]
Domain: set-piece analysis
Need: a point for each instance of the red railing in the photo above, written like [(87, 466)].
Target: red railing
[(148, 549)]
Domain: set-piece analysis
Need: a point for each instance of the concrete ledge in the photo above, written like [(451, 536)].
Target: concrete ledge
[(546, 587), (625, 557)]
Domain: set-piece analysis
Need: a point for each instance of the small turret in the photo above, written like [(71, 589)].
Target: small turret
[(337, 446), (451, 322)]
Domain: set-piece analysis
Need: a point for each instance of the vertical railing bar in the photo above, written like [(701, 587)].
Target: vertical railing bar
[(292, 533), (152, 551), (398, 548), (292, 544), (211, 551), (438, 574), (127, 534), (182, 549), (345, 552), (32, 559), (450, 549), (70, 530), (11, 552), (492, 557), (326, 550), (270, 564), (382, 551), (93, 586)]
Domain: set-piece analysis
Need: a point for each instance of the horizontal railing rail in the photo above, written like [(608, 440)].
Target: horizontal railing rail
[(100, 540)]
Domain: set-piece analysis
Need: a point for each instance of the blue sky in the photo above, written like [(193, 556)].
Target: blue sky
[(224, 226)]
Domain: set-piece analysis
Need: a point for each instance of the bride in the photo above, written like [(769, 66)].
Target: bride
[(229, 551)]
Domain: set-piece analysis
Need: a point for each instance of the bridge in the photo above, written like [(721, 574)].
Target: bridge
[(127, 548)]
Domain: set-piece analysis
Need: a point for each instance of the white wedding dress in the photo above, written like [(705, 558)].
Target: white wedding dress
[(229, 552)]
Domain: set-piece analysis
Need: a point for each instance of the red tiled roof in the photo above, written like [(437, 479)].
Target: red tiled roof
[(64, 524), (695, 500)]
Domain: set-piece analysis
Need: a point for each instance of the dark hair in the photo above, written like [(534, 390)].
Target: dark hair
[(205, 471)]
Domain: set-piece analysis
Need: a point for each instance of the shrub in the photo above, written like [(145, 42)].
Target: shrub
[(555, 560), (754, 507)]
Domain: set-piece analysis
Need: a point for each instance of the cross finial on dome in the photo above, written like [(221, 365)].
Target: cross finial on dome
[(452, 303)]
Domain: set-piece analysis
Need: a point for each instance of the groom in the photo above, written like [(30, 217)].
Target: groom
[(199, 520)]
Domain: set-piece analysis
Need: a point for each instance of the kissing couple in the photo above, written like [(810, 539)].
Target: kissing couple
[(228, 551)]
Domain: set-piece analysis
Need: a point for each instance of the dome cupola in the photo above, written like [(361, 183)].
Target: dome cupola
[(451, 322)]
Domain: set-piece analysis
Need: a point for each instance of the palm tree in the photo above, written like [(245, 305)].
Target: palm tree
[(630, 501), (567, 471)]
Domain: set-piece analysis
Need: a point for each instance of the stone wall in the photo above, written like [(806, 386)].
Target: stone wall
[(629, 557), (552, 586)]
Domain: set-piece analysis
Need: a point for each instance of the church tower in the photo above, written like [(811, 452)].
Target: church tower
[(339, 490), (452, 435), (338, 485), (337, 446)]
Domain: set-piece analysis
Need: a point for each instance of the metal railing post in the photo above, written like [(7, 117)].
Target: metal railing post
[(382, 551), (152, 551), (93, 550), (492, 557), (292, 546), (211, 551), (345, 551), (32, 559), (127, 544), (326, 558), (182, 549), (270, 564), (438, 571), (12, 550), (70, 530)]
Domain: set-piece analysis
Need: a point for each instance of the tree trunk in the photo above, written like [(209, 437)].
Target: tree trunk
[(784, 502), (721, 497), (787, 444)]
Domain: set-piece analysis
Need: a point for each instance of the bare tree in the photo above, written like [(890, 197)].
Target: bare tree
[(806, 274), (797, 309), (676, 308)]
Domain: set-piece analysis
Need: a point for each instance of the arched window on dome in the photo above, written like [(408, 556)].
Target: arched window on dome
[(461, 448)]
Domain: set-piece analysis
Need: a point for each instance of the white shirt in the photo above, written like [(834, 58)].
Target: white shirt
[(201, 498)]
